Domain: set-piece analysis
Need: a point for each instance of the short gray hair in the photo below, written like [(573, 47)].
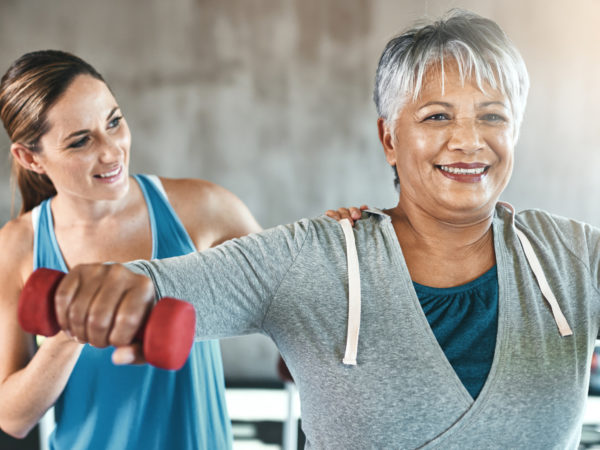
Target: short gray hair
[(478, 46)]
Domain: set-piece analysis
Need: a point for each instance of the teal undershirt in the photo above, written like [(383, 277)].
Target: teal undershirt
[(464, 320)]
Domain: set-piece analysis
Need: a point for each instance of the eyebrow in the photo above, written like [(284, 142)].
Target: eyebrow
[(81, 132), (112, 111), (492, 103), (479, 105), (444, 104)]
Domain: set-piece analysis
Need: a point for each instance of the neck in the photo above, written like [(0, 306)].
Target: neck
[(73, 211), (444, 252), (441, 233)]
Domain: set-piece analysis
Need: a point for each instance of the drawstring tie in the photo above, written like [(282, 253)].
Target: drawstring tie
[(353, 295), (561, 322), (354, 298)]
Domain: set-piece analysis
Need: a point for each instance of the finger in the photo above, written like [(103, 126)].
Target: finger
[(90, 279), (133, 309), (72, 298), (129, 354), (345, 214), (333, 214), (65, 291), (355, 213), (103, 310), (363, 207)]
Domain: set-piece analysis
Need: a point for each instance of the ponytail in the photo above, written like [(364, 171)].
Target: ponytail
[(33, 187)]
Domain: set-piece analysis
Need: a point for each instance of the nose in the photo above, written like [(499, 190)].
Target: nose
[(465, 136), (110, 150)]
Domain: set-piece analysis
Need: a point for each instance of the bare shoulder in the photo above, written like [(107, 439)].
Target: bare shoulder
[(210, 213), (16, 242), (181, 190)]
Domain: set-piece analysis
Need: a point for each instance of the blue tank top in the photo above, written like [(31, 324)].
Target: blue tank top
[(105, 406)]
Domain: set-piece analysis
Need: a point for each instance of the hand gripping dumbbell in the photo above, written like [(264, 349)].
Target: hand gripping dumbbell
[(167, 335)]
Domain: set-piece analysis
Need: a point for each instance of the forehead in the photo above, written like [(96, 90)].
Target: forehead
[(84, 100), (448, 83)]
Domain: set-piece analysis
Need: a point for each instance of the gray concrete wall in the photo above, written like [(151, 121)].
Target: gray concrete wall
[(272, 98)]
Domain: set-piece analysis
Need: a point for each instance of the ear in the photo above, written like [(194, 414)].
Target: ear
[(26, 158), (387, 140)]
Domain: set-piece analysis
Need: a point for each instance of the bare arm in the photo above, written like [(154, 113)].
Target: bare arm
[(210, 213), (30, 381)]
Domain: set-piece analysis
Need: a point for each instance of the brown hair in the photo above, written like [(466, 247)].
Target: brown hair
[(31, 85)]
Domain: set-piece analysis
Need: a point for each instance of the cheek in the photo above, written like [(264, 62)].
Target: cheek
[(418, 146), (505, 153), (126, 136), (126, 145)]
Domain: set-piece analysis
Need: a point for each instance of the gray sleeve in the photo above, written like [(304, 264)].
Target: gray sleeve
[(231, 285), (580, 240)]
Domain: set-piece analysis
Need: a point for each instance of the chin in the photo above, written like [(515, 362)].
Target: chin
[(119, 190), (469, 208)]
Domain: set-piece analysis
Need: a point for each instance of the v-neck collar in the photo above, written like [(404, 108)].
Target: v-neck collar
[(471, 405)]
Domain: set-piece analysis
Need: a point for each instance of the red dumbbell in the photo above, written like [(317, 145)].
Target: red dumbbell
[(167, 336)]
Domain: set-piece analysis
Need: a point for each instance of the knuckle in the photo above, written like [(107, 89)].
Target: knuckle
[(98, 323), (74, 315), (112, 272), (127, 321), (126, 325), (146, 286)]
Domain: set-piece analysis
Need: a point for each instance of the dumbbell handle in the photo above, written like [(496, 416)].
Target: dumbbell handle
[(167, 336)]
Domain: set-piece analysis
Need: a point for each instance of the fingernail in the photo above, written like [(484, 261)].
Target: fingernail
[(124, 359)]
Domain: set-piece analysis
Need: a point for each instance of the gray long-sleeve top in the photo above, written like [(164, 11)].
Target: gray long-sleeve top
[(290, 283)]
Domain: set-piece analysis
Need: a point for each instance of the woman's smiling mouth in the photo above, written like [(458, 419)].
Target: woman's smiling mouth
[(110, 176), (466, 173)]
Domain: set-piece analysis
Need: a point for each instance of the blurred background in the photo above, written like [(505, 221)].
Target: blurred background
[(272, 99)]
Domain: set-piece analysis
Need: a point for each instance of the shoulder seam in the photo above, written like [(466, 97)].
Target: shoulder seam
[(276, 290), (565, 244)]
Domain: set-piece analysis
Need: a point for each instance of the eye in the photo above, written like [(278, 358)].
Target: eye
[(437, 117), (115, 122), (493, 117), (80, 143)]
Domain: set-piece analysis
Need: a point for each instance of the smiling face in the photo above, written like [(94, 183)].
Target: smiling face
[(453, 149), (86, 150)]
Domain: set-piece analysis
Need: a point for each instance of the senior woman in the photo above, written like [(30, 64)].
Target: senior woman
[(447, 321)]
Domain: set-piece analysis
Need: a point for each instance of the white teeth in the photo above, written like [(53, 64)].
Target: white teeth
[(110, 174), (461, 171)]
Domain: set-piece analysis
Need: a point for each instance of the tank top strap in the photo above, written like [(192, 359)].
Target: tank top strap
[(170, 237), (46, 252)]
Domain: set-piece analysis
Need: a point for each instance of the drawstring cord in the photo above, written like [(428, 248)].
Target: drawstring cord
[(563, 326), (353, 295), (354, 299)]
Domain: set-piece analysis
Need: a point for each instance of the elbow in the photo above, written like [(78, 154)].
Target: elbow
[(14, 430), (17, 434)]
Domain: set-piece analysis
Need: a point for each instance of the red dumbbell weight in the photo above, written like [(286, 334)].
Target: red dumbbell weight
[(167, 336)]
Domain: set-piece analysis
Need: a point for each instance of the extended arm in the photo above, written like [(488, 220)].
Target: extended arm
[(230, 286)]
